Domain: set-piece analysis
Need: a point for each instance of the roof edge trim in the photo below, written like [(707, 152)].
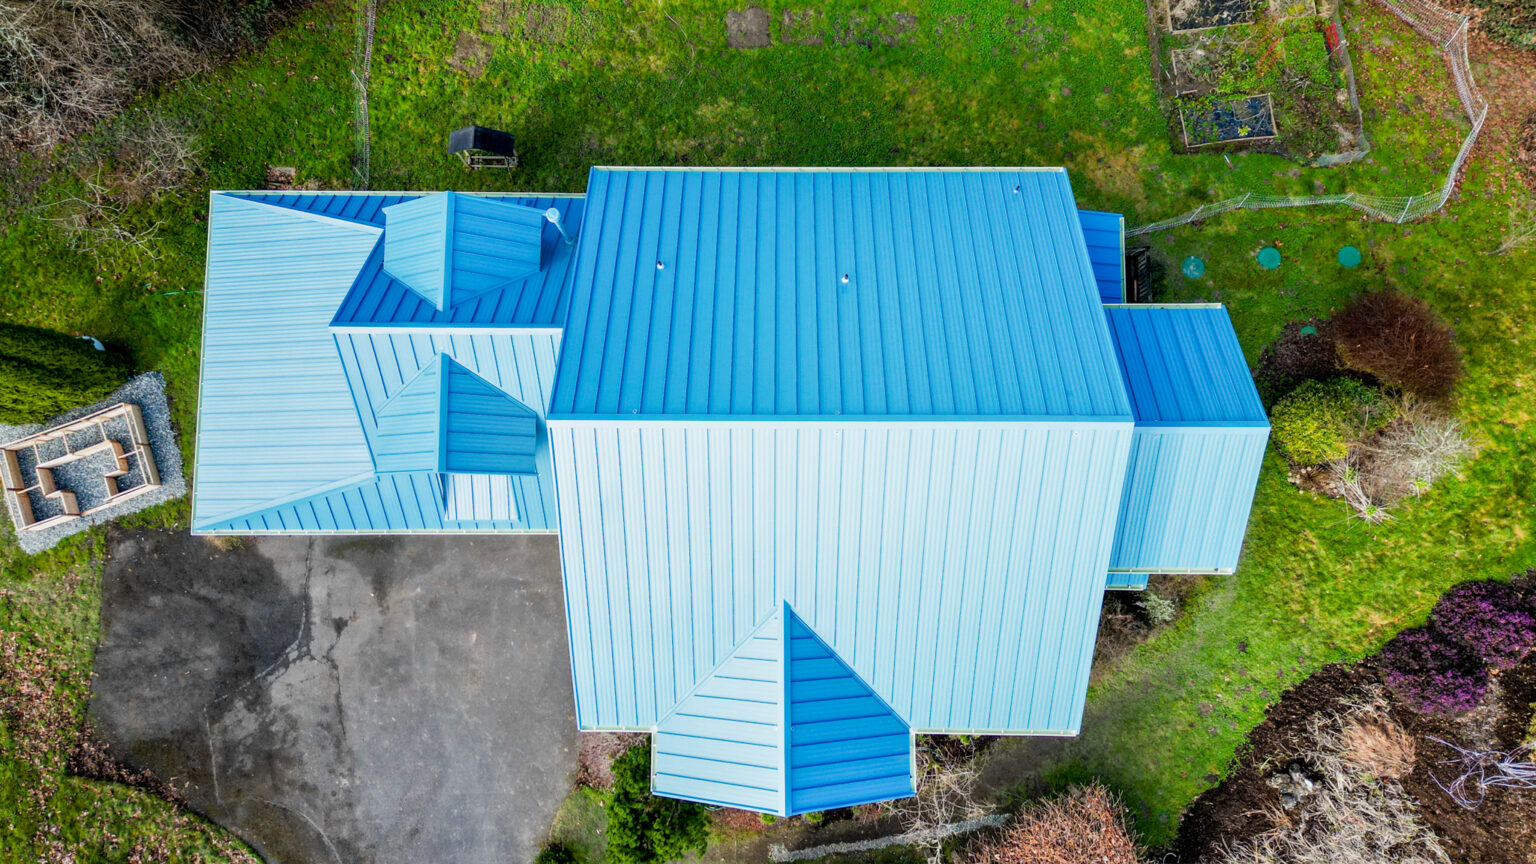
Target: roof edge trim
[(420, 329), (1202, 425), (845, 169), (306, 214), (842, 419)]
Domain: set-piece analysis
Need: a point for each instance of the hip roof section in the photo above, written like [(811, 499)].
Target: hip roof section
[(824, 292)]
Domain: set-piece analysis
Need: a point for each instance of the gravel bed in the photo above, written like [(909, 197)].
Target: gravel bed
[(84, 478)]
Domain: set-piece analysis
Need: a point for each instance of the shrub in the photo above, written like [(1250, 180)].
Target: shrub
[(1489, 618), (1399, 340), (1303, 351), (645, 828), (1433, 674), (1408, 457), (1157, 608), (1319, 419), (43, 373), (556, 853), (1085, 826)]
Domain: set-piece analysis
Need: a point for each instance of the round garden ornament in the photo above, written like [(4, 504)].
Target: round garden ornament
[(1349, 256), (1269, 257), (1193, 267)]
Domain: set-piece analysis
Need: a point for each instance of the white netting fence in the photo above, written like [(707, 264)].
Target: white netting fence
[(362, 68), (1448, 32)]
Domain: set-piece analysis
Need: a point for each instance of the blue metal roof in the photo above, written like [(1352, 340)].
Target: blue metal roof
[(1126, 582), (275, 416), (378, 301), (448, 419), (449, 247), (1105, 236), (785, 726), (956, 566), (1199, 442), (825, 292), (275, 267)]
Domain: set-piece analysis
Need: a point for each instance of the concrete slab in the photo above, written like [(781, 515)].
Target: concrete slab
[(344, 700)]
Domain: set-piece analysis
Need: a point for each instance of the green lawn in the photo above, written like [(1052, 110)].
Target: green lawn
[(983, 82)]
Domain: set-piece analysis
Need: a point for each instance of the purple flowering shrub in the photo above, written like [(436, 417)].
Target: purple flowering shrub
[(1490, 618), (1433, 674)]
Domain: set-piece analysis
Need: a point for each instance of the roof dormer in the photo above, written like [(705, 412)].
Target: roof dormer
[(450, 247)]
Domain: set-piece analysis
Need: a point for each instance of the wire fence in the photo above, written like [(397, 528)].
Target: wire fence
[(1448, 32), (362, 67)]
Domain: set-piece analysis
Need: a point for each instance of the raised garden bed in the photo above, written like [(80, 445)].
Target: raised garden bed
[(1248, 118), (1277, 78), (1188, 16)]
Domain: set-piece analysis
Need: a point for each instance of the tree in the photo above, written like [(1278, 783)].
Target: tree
[(43, 373), (647, 829)]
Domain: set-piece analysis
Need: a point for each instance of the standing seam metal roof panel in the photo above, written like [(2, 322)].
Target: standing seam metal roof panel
[(784, 726), (1199, 441), (721, 293), (956, 567), (1105, 236), (379, 301), (269, 370)]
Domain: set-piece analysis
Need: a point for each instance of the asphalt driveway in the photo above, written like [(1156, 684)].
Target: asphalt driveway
[(344, 699)]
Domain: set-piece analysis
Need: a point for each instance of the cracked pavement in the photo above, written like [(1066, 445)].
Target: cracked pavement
[(378, 700)]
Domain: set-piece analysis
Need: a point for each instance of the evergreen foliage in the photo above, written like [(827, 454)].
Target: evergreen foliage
[(645, 828), (1319, 419), (43, 373)]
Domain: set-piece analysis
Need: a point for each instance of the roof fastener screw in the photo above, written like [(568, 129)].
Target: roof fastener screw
[(1016, 189), (845, 278), (660, 266)]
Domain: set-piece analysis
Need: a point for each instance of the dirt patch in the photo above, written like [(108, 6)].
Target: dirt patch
[(595, 754), (747, 28), (1245, 803), (470, 55), (801, 27)]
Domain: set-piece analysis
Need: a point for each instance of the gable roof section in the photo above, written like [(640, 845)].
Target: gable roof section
[(1105, 235), (449, 247), (721, 293), (1183, 364), (1199, 439), (269, 368), (783, 726), (450, 420)]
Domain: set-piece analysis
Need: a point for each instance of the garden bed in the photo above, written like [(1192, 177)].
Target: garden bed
[(1249, 801), (1246, 118), (1277, 79)]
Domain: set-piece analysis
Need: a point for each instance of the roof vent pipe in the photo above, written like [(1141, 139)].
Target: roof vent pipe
[(553, 215)]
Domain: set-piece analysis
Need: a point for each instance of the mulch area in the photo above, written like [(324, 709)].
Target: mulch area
[(1500, 831)]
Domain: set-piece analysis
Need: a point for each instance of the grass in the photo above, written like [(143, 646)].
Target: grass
[(986, 82)]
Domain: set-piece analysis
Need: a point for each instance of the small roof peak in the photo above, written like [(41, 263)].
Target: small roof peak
[(450, 247), (449, 420)]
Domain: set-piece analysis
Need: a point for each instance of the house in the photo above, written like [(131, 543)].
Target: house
[(836, 456)]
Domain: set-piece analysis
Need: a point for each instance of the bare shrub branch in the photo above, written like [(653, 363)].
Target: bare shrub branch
[(1481, 770), (1359, 814), (67, 64), (1085, 826)]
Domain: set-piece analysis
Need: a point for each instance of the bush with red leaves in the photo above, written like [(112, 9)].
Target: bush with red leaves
[(1399, 340), (1489, 618), (1433, 674), (1086, 826)]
